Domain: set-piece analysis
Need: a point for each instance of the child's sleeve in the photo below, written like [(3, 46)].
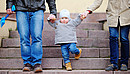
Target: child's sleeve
[(76, 21)]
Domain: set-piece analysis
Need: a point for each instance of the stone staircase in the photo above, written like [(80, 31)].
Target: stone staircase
[(93, 40)]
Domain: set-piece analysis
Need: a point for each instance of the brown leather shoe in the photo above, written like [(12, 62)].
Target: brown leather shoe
[(37, 68), (27, 67)]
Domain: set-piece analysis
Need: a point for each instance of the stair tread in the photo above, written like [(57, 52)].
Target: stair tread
[(57, 63), (80, 33), (86, 52), (18, 63), (86, 42), (65, 72)]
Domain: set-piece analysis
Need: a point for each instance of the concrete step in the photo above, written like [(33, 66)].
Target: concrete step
[(90, 18), (57, 72), (85, 26), (80, 34), (18, 63), (13, 34), (90, 26), (84, 42), (57, 63), (65, 72), (98, 34), (49, 41), (91, 63), (55, 52)]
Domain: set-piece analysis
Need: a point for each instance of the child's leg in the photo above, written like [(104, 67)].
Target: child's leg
[(73, 49), (65, 52)]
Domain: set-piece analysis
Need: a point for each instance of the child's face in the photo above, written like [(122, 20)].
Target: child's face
[(64, 20)]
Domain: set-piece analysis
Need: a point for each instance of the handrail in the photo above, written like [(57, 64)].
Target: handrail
[(10, 19)]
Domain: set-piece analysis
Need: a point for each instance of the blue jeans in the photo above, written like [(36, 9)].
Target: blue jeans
[(30, 23), (114, 51), (65, 48)]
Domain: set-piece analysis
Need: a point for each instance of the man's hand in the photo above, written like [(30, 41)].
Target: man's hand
[(9, 11), (52, 18)]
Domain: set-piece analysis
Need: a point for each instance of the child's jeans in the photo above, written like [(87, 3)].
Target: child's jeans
[(65, 48)]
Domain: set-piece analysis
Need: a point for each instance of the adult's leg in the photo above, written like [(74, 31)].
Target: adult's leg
[(124, 33), (114, 51), (23, 29), (36, 27)]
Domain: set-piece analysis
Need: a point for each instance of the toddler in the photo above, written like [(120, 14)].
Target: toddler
[(65, 35)]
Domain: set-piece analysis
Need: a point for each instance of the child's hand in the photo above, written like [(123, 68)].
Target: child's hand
[(82, 16), (52, 18), (86, 13)]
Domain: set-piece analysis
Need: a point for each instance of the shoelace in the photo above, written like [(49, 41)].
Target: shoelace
[(110, 65), (123, 65), (68, 65), (37, 65)]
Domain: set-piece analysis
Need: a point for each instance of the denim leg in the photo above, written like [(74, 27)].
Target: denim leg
[(124, 33), (73, 49), (65, 52), (114, 51), (36, 27), (23, 29)]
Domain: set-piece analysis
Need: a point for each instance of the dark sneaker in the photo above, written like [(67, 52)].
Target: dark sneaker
[(123, 67), (111, 68), (37, 68), (27, 67)]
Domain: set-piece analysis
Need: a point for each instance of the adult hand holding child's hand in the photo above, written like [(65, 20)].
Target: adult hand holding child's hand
[(9, 11), (52, 18), (82, 16)]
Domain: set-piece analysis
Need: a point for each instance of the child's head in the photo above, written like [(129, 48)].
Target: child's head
[(64, 16)]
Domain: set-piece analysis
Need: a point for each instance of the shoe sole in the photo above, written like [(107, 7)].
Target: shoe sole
[(69, 70), (123, 70), (26, 69), (38, 70), (112, 70)]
